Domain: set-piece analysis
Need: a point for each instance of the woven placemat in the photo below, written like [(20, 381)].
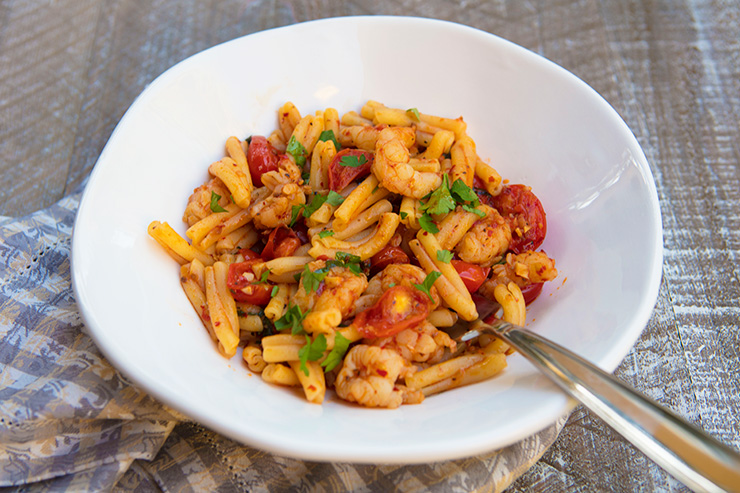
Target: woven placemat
[(70, 421)]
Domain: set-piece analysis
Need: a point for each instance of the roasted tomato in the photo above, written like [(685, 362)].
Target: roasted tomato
[(248, 254), (387, 256), (244, 287), (282, 242), (262, 157), (397, 309), (473, 276), (530, 292), (340, 175), (523, 211)]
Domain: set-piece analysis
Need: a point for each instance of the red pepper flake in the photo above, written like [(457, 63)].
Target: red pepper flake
[(217, 323), (382, 373), (312, 387)]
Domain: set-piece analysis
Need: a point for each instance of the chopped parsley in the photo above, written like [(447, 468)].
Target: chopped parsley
[(444, 200), (263, 277), (404, 215), (466, 197), (312, 279), (463, 193), (296, 149), (427, 224), (344, 259), (353, 161), (329, 135), (274, 291), (325, 233), (413, 113), (214, 203), (312, 351), (335, 356), (428, 282), (332, 198), (293, 319), (440, 201), (477, 212), (444, 256)]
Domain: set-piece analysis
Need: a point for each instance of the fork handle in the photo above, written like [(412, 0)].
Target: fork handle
[(687, 453)]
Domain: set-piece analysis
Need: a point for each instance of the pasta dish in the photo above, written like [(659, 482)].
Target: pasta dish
[(334, 251)]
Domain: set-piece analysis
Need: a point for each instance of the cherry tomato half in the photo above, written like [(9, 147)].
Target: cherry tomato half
[(530, 292), (340, 175), (262, 157), (473, 276), (248, 254), (387, 256), (524, 212), (245, 290), (282, 242), (397, 309)]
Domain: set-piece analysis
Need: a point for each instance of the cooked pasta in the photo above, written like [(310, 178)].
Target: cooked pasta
[(334, 251)]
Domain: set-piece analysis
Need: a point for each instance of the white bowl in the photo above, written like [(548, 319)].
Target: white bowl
[(538, 124)]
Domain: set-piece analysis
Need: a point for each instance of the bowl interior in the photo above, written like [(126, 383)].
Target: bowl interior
[(536, 123)]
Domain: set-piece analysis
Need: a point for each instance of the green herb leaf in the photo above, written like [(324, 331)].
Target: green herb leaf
[(428, 282), (426, 223), (329, 135), (353, 161), (463, 193), (296, 149), (293, 319), (274, 291), (444, 256), (344, 259), (312, 279), (325, 233), (413, 113), (404, 215), (334, 199), (335, 356), (295, 212), (214, 203), (316, 202), (312, 351), (440, 201), (263, 277), (470, 208)]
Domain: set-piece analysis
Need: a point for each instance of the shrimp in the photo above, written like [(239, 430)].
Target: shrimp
[(523, 269), (422, 344), (393, 168), (277, 208), (340, 289), (368, 377), (287, 172), (360, 136), (398, 275), (487, 240), (199, 203)]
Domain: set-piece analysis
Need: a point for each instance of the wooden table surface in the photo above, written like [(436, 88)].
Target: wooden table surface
[(69, 69)]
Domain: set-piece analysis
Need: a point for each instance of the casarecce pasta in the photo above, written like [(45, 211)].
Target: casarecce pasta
[(334, 251)]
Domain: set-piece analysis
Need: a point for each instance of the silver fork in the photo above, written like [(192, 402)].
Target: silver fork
[(690, 455)]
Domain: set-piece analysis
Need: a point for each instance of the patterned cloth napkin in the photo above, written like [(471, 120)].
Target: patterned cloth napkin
[(69, 421)]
